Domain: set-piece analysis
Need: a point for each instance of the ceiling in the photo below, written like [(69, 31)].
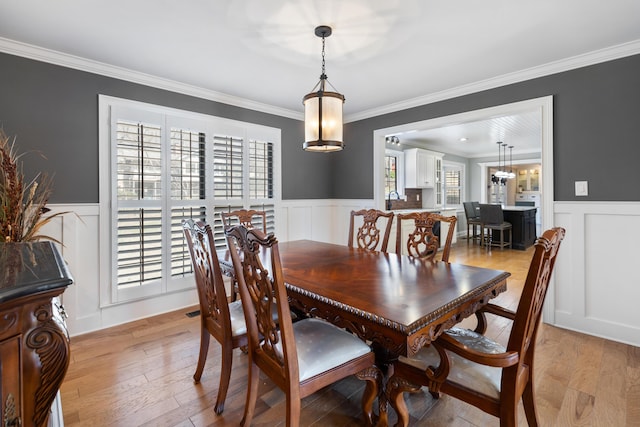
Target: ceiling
[(383, 54), (479, 138)]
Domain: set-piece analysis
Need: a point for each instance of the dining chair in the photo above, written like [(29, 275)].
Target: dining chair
[(368, 235), (302, 357), (473, 219), (218, 318), (492, 219), (244, 217), (472, 367), (423, 242)]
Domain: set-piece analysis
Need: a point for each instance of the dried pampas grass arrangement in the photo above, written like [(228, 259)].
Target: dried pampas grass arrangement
[(22, 205)]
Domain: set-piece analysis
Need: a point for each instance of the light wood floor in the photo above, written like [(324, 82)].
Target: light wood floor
[(140, 374)]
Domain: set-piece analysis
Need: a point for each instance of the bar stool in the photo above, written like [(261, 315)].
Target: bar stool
[(492, 219)]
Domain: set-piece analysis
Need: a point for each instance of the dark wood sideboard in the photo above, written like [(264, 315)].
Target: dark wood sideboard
[(34, 342), (523, 221)]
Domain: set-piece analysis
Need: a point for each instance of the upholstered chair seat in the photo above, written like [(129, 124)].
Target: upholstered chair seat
[(482, 378), (314, 359), (238, 324)]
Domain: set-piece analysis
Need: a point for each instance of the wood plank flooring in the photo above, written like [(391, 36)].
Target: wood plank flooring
[(140, 374)]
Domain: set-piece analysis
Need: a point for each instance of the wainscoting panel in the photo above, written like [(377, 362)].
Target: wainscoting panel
[(597, 283), (321, 220), (596, 288)]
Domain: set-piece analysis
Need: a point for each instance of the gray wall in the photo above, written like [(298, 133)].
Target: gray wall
[(53, 110), (596, 131)]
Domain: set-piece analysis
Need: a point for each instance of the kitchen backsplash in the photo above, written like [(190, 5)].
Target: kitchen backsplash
[(414, 200)]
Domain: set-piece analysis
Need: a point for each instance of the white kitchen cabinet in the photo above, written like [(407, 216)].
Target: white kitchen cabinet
[(529, 179), (423, 168)]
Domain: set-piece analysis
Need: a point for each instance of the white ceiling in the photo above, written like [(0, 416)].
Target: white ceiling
[(383, 53)]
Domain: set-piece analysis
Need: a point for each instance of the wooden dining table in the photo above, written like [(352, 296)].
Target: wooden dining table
[(398, 303)]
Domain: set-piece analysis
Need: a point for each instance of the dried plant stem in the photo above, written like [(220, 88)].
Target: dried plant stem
[(22, 206)]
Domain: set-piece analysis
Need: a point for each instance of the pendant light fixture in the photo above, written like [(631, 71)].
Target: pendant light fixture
[(500, 173), (510, 175), (501, 176), (323, 111)]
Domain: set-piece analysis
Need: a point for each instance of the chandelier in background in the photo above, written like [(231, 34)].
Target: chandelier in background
[(323, 111), (501, 176)]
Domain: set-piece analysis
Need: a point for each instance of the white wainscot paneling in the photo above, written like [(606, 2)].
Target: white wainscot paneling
[(324, 220), (320, 220), (597, 284), (78, 232)]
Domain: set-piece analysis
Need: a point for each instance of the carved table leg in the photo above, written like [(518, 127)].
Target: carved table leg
[(395, 387)]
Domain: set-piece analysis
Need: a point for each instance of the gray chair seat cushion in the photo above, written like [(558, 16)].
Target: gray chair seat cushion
[(238, 323), (484, 379), (322, 346)]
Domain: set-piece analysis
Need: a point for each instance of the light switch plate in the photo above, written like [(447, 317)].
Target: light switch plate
[(582, 188)]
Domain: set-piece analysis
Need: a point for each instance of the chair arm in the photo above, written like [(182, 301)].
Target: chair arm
[(481, 326), (498, 360), (499, 311)]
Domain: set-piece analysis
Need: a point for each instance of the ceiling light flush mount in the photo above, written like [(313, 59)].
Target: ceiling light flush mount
[(393, 140), (323, 111)]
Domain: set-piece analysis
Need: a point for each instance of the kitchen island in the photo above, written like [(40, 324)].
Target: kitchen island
[(523, 221)]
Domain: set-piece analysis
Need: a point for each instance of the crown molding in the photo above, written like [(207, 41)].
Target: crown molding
[(70, 61), (591, 58), (57, 58)]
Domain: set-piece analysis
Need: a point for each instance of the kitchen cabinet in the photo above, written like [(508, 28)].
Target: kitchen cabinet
[(34, 343), (423, 169), (528, 180)]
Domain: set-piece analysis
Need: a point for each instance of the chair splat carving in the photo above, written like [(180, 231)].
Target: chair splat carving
[(369, 236)]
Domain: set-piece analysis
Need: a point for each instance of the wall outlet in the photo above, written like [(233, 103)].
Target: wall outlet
[(582, 188)]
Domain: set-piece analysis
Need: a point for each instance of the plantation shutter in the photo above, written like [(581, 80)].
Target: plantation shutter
[(139, 179)]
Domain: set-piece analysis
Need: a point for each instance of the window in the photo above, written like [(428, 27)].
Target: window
[(390, 174), (393, 171), (453, 184), (169, 165)]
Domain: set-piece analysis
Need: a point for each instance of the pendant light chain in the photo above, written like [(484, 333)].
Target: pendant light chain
[(323, 56), (323, 110)]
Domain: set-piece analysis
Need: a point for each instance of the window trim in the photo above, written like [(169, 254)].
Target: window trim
[(210, 125)]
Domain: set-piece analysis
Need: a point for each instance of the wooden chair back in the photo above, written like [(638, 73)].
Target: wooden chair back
[(244, 217), (272, 345), (476, 369), (529, 311), (368, 235), (215, 314), (422, 242)]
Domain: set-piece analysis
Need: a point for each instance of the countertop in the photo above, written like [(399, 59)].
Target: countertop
[(28, 268), (421, 210), (519, 208)]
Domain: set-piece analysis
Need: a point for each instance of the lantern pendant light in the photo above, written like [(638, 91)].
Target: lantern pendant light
[(323, 111)]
